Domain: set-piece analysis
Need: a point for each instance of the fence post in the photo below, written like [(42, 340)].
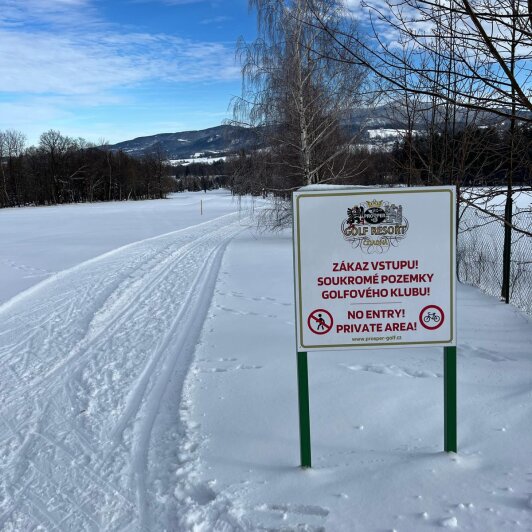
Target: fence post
[(507, 250)]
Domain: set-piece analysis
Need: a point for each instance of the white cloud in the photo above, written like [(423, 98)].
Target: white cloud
[(57, 12), (61, 65), (215, 20), (169, 2), (42, 61)]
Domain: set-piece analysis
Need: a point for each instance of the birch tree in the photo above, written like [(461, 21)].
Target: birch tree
[(297, 98)]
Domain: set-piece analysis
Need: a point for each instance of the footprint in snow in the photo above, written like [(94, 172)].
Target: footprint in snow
[(394, 371), (486, 354), (236, 368)]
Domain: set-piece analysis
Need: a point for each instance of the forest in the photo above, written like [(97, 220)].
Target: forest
[(65, 170)]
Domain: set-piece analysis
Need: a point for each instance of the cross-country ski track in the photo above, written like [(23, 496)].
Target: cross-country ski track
[(94, 361)]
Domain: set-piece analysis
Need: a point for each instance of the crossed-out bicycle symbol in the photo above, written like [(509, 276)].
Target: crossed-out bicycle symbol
[(431, 317)]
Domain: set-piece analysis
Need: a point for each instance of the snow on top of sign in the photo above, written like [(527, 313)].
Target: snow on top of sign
[(323, 186)]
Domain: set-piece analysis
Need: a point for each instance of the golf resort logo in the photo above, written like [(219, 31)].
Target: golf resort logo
[(375, 226)]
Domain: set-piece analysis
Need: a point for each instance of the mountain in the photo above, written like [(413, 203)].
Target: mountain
[(378, 126), (225, 140), (219, 140)]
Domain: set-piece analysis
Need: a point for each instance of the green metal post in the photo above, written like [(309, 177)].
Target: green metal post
[(449, 399), (304, 410)]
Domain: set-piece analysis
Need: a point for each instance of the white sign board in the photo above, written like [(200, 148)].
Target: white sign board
[(375, 267)]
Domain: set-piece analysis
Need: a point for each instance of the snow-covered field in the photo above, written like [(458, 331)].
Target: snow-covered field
[(36, 242), (387, 134), (197, 159), (151, 386)]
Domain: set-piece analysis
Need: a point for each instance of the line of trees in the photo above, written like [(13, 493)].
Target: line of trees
[(66, 170), (470, 156), (445, 69)]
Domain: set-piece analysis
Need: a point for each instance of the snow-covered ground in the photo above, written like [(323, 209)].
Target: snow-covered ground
[(494, 198), (197, 159), (36, 242), (376, 416), (387, 134), (153, 387)]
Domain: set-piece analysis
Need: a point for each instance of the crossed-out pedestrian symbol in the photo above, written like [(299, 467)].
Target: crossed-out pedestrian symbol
[(320, 321)]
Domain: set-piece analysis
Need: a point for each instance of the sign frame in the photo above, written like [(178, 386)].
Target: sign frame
[(301, 320)]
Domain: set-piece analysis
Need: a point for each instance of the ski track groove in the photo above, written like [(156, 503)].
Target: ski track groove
[(203, 283), (93, 353), (116, 319), (58, 488), (140, 387)]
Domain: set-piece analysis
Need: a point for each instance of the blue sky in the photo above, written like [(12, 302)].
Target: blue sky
[(118, 69)]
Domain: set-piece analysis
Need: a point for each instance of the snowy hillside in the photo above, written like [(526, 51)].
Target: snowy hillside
[(189, 144), (149, 384)]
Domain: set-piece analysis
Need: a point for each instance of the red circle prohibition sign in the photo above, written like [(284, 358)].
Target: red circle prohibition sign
[(320, 321), (431, 317)]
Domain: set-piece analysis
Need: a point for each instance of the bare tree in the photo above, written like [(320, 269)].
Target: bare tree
[(62, 169), (160, 161), (11, 149), (475, 38), (55, 146), (296, 96), (469, 54), (5, 193)]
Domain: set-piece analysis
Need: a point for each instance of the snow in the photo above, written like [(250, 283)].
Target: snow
[(198, 159), (94, 361), (151, 385), (494, 198), (387, 134), (40, 241), (376, 416)]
